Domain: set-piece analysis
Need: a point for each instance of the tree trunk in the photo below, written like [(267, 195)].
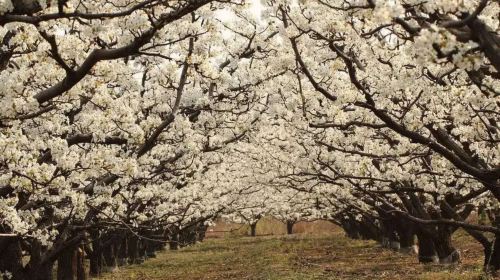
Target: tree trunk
[(81, 273), (369, 230), (122, 251), (253, 229), (426, 249), (406, 234), (201, 232), (142, 250), (45, 272), (36, 269), (391, 240), (96, 255), (11, 257), (444, 248), (66, 264), (390, 237), (150, 249), (493, 260), (109, 256), (289, 227), (174, 241), (36, 273), (132, 252), (351, 229)]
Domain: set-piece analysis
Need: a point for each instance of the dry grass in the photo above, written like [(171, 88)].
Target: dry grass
[(324, 255)]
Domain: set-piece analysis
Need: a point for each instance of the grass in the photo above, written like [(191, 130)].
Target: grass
[(328, 255)]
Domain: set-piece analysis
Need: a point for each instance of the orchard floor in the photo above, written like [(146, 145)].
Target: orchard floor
[(300, 256)]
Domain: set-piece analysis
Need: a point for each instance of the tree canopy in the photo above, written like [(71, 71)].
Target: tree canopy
[(147, 120)]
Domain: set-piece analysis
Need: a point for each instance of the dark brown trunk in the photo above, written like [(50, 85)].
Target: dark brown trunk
[(406, 233), (37, 273), (444, 248), (493, 258), (289, 227), (201, 232), (81, 273), (45, 272), (426, 249), (122, 251), (174, 242), (96, 254), (390, 238), (109, 256), (133, 251), (351, 229), (142, 250), (150, 249), (253, 229), (66, 265), (11, 257), (36, 270), (369, 230)]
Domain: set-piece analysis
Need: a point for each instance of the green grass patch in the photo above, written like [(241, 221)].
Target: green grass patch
[(302, 256)]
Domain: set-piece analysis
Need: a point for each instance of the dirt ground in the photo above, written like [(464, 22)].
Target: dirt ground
[(316, 251)]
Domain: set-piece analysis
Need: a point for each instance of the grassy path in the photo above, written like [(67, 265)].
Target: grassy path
[(303, 257)]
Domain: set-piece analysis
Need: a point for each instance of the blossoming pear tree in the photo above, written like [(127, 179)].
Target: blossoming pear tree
[(397, 86), (108, 111)]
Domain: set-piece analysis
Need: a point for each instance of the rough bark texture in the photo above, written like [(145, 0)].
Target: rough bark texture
[(426, 249), (444, 248)]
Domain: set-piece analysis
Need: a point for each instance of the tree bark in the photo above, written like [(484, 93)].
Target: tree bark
[(444, 248), (351, 229), (66, 264), (122, 251), (45, 272), (406, 233), (96, 254), (109, 255), (142, 250), (81, 273), (174, 241), (253, 229), (133, 252), (289, 227), (493, 260), (391, 239), (11, 258), (150, 249), (426, 249), (37, 269)]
